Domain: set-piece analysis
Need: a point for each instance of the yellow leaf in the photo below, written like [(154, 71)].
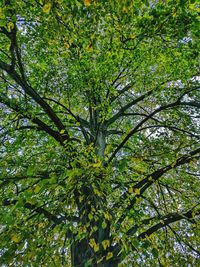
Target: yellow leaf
[(81, 199), (140, 169), (137, 159), (66, 44), (10, 26), (147, 237), (138, 200), (2, 15), (108, 149), (130, 190), (93, 244), (194, 7), (62, 131), (173, 164), (83, 229), (125, 9), (106, 244), (50, 42), (87, 2), (132, 36), (107, 216), (97, 164), (109, 255), (116, 239), (89, 48), (40, 225), (37, 189), (15, 238), (137, 191), (47, 8), (96, 247), (97, 192)]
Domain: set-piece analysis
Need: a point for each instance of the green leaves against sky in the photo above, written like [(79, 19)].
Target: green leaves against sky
[(99, 130)]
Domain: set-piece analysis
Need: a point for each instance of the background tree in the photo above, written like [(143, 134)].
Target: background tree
[(99, 133)]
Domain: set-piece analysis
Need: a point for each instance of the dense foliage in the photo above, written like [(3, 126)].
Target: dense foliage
[(99, 130)]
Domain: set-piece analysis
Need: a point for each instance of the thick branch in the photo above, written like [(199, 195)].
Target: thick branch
[(10, 104), (83, 123), (33, 94), (171, 218), (150, 179)]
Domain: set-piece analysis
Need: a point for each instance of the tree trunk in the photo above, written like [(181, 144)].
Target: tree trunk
[(80, 254), (88, 249), (83, 256)]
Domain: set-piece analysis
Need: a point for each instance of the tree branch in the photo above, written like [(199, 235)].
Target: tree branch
[(144, 184), (127, 106), (171, 218), (39, 210), (34, 95), (135, 129), (151, 178), (10, 104)]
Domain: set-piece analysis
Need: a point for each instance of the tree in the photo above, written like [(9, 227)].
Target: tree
[(99, 133)]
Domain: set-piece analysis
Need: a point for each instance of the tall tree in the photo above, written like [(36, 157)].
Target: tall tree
[(99, 133)]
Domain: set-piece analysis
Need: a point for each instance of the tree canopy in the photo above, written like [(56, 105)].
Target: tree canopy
[(99, 131)]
